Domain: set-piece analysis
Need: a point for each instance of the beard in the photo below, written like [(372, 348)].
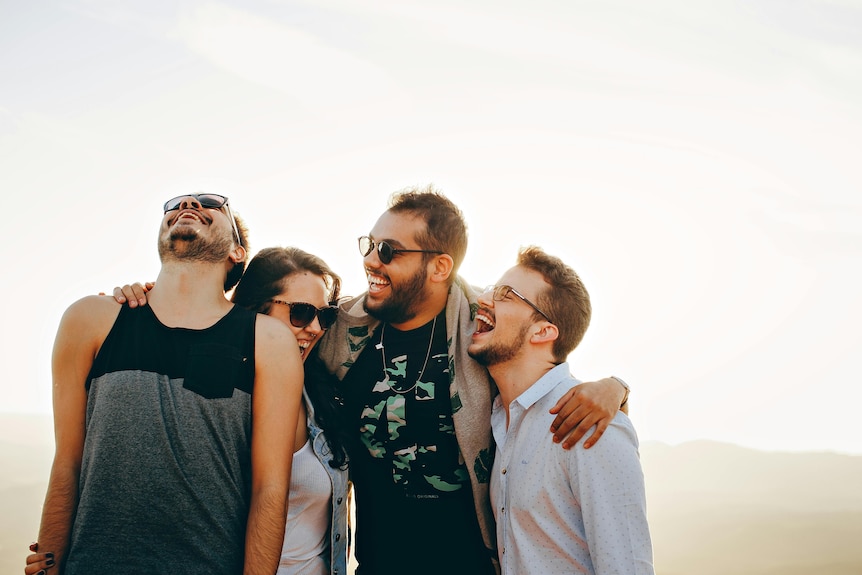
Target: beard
[(399, 306), (496, 352), (184, 244)]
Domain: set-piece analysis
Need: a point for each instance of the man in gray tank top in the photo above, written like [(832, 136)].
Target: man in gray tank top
[(174, 422)]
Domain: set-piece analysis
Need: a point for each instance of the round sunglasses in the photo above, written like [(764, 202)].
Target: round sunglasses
[(302, 314), (385, 251)]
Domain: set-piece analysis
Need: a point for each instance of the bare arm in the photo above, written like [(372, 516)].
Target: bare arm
[(275, 411), (82, 330), (585, 405)]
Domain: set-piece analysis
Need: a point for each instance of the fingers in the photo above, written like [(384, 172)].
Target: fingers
[(118, 295), (38, 563), (560, 403), (570, 410), (601, 426), (136, 292), (583, 427), (586, 405), (573, 421)]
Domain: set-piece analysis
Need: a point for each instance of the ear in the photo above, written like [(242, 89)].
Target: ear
[(441, 268), (547, 333), (237, 254)]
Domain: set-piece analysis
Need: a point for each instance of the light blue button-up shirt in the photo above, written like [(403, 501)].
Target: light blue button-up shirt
[(566, 511)]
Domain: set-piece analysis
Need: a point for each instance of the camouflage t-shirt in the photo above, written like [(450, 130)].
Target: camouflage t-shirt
[(414, 502)]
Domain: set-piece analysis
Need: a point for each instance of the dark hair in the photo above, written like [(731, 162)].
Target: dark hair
[(445, 228), (264, 279), (268, 271), (235, 273), (565, 299)]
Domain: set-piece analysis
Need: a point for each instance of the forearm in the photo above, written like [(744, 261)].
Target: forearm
[(275, 412), (265, 531), (58, 512)]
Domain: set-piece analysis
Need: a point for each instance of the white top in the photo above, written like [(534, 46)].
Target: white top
[(566, 511), (306, 536)]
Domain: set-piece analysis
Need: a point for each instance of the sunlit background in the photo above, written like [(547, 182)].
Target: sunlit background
[(697, 162)]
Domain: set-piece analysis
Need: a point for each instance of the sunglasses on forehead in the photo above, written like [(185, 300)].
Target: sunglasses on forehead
[(302, 314), (385, 251), (207, 201)]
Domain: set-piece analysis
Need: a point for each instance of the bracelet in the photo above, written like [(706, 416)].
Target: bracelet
[(625, 387)]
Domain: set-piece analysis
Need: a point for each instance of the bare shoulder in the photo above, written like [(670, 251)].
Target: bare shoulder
[(84, 327), (271, 331), (278, 363), (92, 313), (270, 327)]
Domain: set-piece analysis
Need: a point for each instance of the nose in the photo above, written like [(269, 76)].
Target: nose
[(314, 326), (372, 260), (486, 298), (190, 202)]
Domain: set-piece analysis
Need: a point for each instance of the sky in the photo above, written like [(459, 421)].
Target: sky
[(697, 162)]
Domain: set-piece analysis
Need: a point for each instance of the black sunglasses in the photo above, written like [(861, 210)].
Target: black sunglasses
[(500, 292), (302, 314), (207, 201), (385, 251)]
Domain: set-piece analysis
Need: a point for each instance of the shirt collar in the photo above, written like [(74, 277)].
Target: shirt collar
[(543, 385)]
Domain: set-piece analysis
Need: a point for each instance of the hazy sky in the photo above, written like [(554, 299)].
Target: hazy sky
[(697, 162)]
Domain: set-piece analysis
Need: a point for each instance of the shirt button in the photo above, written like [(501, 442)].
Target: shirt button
[(338, 501), (504, 471), (338, 536)]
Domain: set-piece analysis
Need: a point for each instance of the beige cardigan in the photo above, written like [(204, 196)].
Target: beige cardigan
[(472, 390)]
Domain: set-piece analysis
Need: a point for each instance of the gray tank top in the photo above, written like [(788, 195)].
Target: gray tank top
[(165, 477)]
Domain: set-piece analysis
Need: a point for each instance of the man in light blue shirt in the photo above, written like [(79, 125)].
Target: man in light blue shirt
[(557, 511)]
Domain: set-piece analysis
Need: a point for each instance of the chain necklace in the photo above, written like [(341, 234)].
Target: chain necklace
[(424, 365)]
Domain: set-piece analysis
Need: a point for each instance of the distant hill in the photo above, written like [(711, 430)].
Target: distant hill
[(715, 509), (26, 449)]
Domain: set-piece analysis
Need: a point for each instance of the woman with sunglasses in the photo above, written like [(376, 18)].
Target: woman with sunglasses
[(299, 289)]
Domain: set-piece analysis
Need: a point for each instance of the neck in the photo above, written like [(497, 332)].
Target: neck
[(430, 309), (189, 294), (517, 376)]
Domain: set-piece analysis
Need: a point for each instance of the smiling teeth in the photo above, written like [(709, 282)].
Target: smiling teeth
[(485, 319)]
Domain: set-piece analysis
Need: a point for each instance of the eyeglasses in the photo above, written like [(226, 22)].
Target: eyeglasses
[(501, 291), (208, 201), (302, 314), (385, 251)]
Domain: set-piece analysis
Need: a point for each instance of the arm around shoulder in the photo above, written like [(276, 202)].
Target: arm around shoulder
[(592, 403), (275, 411)]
